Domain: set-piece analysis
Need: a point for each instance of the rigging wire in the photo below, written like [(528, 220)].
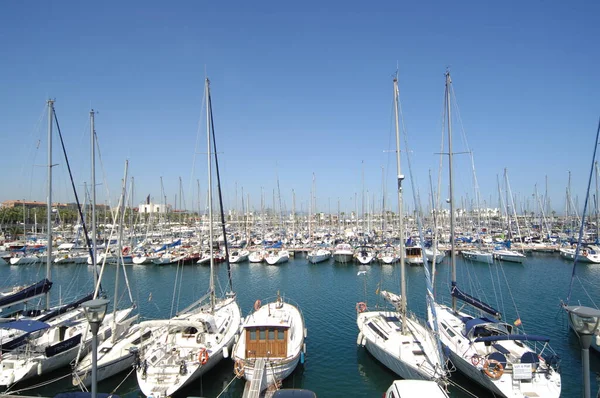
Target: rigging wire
[(87, 239), (587, 196)]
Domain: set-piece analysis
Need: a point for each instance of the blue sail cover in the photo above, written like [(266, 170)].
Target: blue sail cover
[(275, 245), (456, 292), (34, 290), (168, 246), (25, 325), (522, 337)]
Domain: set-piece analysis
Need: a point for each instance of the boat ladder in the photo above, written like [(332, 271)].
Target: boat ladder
[(254, 387)]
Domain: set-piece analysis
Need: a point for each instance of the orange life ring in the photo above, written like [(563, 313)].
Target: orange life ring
[(493, 369), (125, 251), (203, 356), (238, 368), (257, 304), (361, 307), (475, 359)]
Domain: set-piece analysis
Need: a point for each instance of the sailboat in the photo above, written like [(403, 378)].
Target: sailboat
[(56, 337), (485, 349), (395, 337), (118, 352), (586, 316), (184, 348)]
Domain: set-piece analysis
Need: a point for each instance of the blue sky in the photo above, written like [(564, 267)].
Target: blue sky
[(299, 89)]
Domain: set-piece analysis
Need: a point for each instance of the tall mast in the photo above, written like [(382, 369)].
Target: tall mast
[(210, 214), (49, 204), (451, 188), (93, 156), (400, 177)]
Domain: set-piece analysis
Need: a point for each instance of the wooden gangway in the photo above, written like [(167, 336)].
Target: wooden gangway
[(253, 387)]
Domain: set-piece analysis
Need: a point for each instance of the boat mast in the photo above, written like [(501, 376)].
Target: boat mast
[(400, 177), (49, 204), (210, 214), (93, 155), (451, 188)]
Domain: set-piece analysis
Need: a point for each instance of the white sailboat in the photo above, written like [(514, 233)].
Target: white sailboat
[(270, 345), (395, 337), (118, 352), (238, 256), (276, 254), (318, 255), (483, 348), (184, 348)]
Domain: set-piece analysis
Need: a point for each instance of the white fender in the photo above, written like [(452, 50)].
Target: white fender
[(359, 340), (225, 352), (39, 368)]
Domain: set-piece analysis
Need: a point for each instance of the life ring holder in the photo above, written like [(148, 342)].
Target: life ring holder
[(238, 368), (203, 356), (361, 307), (257, 305), (493, 369)]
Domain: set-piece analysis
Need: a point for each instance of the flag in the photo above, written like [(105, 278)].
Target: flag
[(517, 322), (377, 291), (148, 199)]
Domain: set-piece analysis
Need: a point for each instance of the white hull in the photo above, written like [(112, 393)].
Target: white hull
[(509, 255), (543, 382), (439, 255), (256, 257), (112, 358), (482, 257), (286, 327), (280, 257), (318, 256), (172, 358), (277, 370), (343, 258), (583, 257), (19, 366), (239, 256), (412, 355)]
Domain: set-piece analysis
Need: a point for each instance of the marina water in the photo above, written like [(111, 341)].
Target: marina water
[(327, 294)]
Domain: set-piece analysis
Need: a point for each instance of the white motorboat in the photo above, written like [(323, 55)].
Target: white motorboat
[(270, 345), (343, 253), (414, 255), (318, 255)]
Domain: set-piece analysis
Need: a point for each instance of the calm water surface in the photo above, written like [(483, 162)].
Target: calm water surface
[(327, 294)]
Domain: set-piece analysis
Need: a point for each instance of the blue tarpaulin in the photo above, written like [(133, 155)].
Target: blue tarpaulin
[(26, 325)]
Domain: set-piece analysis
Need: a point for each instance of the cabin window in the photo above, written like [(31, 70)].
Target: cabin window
[(280, 335), (448, 330), (252, 334), (271, 335), (263, 334)]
